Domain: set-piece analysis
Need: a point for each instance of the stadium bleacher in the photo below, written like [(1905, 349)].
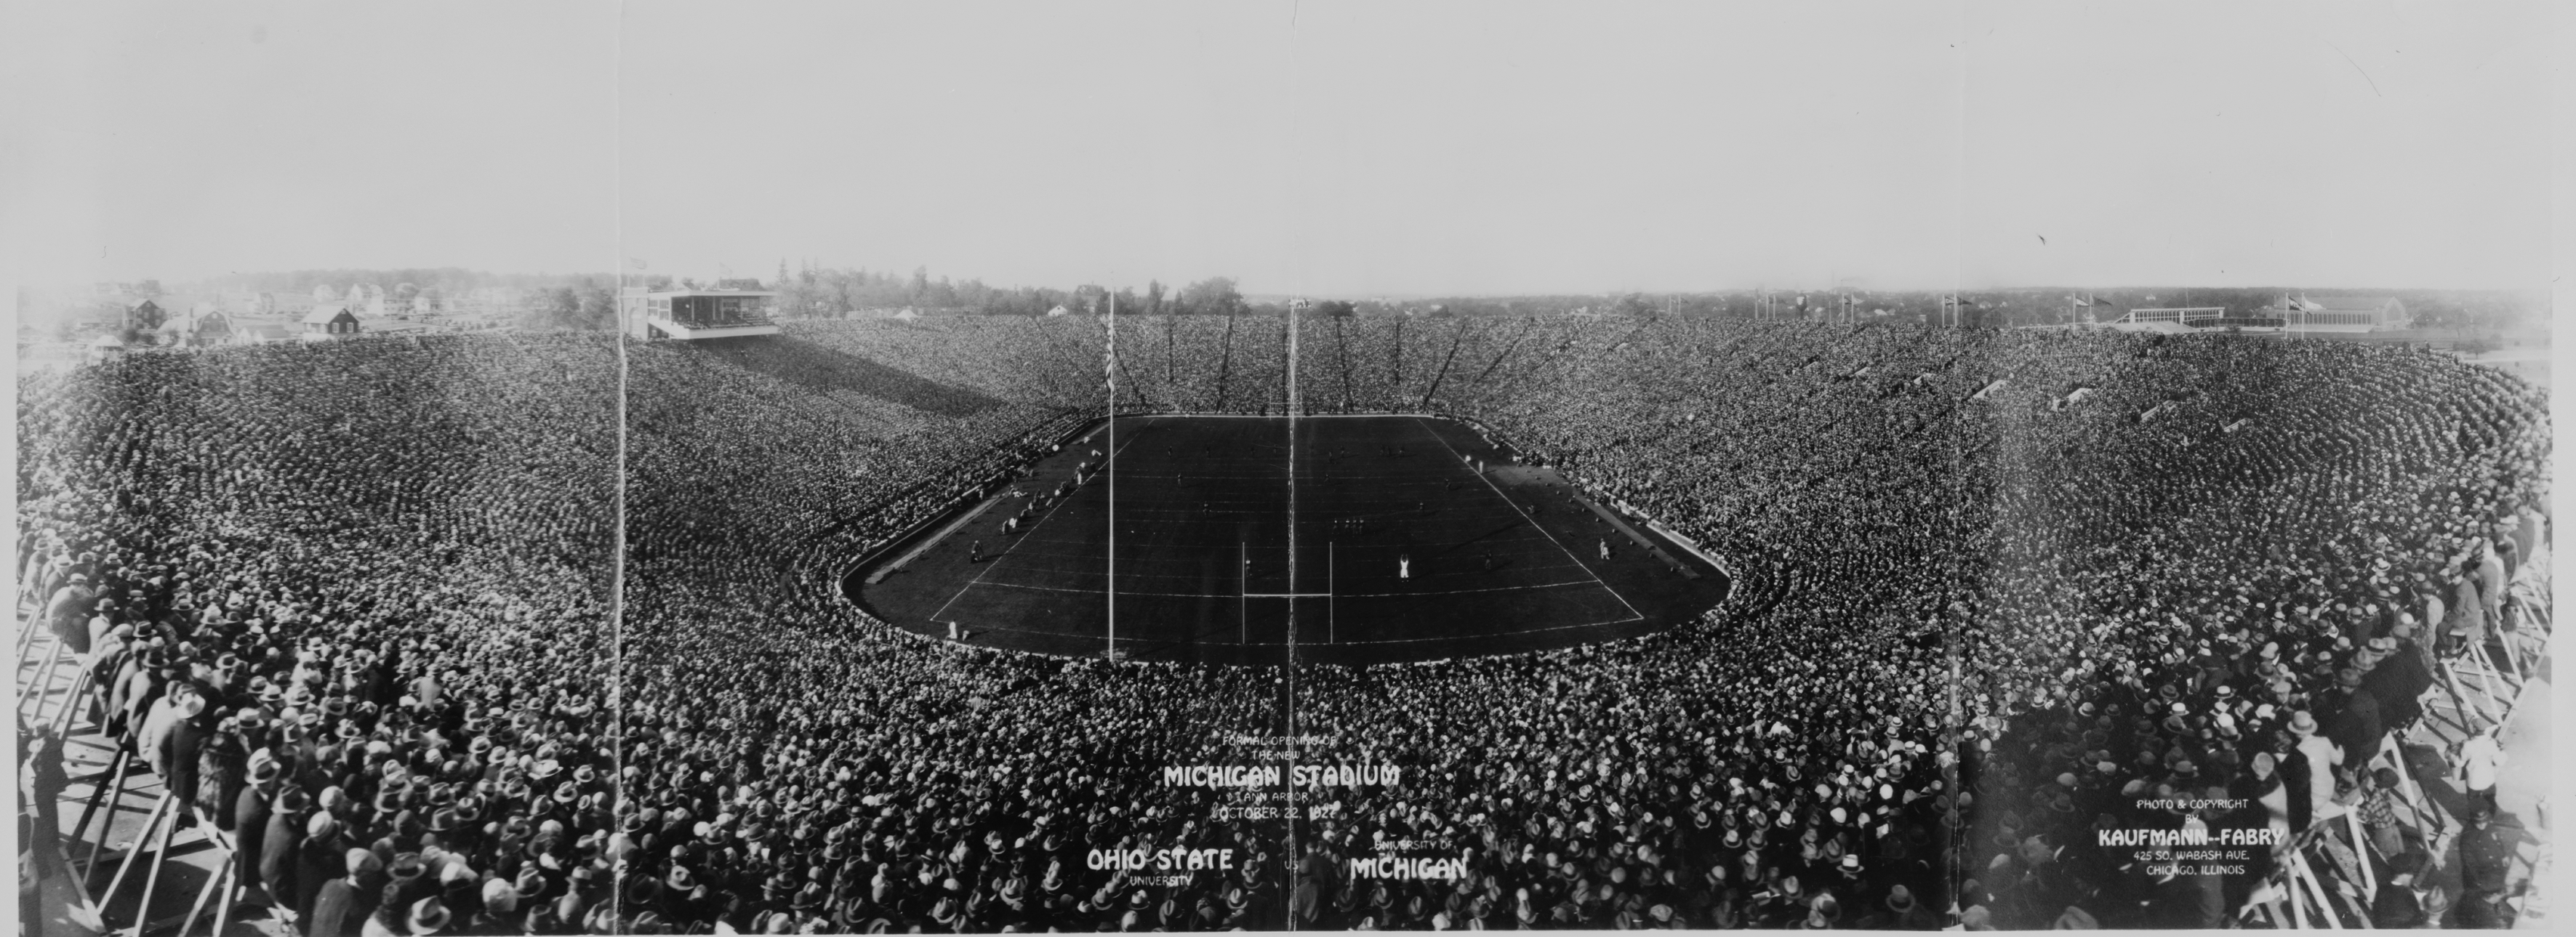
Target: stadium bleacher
[(352, 605)]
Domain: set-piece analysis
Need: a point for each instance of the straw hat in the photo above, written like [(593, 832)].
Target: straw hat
[(428, 916)]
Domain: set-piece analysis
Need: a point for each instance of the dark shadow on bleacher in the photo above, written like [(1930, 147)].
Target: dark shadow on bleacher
[(815, 367)]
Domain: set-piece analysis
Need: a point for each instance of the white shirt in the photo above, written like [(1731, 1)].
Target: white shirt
[(2323, 755), (2479, 758)]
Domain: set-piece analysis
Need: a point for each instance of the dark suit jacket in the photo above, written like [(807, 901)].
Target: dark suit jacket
[(2395, 908), (179, 751), (321, 861), (2394, 684), (277, 856), (335, 910), (250, 824), (2357, 728)]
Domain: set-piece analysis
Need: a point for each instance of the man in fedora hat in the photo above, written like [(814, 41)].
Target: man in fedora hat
[(67, 613), (414, 876), (280, 848), (2356, 725), (500, 907), (391, 917), (2397, 679), (250, 812), (323, 856), (1906, 912), (137, 684), (107, 658), (2399, 905), (428, 916), (171, 734), (336, 905)]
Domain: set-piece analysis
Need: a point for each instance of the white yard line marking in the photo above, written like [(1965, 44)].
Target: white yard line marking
[(1516, 509), (1006, 554)]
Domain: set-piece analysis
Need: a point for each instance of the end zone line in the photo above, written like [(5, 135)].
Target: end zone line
[(1516, 508)]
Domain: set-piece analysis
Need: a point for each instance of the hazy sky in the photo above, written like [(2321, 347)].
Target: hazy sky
[(1311, 146)]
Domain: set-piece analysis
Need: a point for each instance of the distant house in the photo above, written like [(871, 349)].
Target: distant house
[(105, 348), (1059, 310), (145, 315), (330, 321), (204, 325)]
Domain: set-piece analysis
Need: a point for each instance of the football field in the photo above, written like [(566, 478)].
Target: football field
[(1359, 540)]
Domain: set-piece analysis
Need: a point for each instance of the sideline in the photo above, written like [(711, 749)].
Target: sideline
[(933, 540)]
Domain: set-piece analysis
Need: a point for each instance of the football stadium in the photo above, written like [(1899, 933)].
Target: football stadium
[(1607, 621)]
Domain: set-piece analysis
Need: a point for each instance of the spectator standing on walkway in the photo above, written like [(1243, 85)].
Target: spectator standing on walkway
[(2323, 758), (2486, 857), (2398, 905), (2478, 760)]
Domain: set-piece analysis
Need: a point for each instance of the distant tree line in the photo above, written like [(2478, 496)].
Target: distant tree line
[(588, 305), (439, 280), (588, 301), (839, 291)]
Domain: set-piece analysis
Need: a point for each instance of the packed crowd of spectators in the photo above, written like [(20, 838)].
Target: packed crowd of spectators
[(357, 595), (2158, 562), (348, 602)]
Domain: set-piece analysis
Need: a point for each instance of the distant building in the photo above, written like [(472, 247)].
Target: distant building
[(2341, 313), (695, 314), (204, 325), (105, 348), (329, 321), (145, 315), (1059, 310)]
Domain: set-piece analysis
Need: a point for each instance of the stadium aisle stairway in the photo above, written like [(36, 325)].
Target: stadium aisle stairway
[(2503, 687), (101, 817)]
